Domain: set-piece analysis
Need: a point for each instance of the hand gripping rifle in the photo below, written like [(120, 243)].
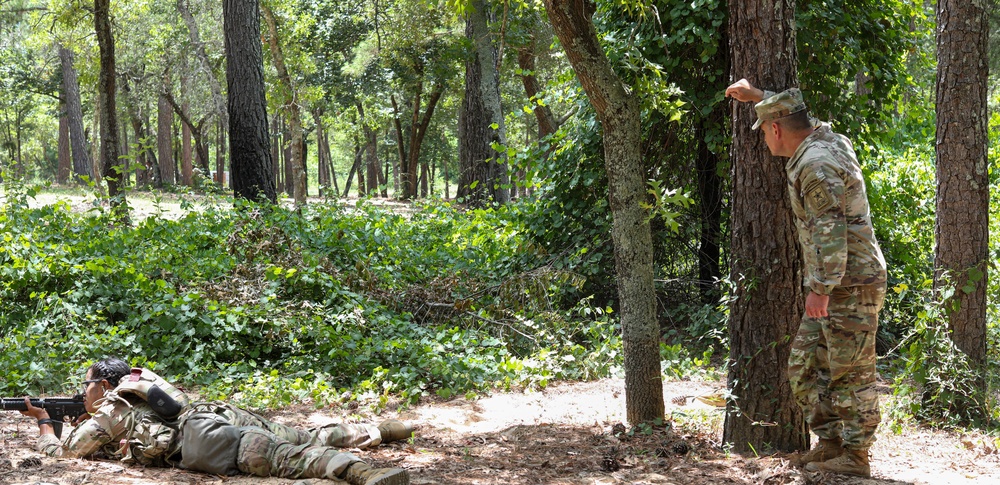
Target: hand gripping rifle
[(57, 407)]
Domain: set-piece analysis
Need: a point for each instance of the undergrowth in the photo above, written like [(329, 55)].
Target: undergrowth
[(272, 306)]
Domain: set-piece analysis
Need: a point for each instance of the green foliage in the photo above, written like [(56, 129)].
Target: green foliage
[(857, 59), (938, 384), (329, 304)]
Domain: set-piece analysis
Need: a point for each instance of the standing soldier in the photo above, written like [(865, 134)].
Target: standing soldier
[(832, 363)]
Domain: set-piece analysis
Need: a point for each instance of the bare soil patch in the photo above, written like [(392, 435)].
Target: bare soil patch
[(569, 433)]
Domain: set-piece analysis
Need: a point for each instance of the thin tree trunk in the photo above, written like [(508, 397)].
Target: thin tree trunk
[(187, 165), (768, 300), (197, 131), (419, 131), (218, 100), (547, 122), (354, 169), (298, 179), (329, 161), (618, 112)]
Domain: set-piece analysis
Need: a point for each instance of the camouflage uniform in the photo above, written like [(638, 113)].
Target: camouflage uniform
[(832, 362), (128, 429)]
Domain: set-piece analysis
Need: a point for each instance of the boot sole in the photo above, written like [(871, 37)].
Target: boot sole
[(396, 476)]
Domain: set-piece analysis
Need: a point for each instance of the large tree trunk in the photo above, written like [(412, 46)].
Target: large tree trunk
[(962, 228), (483, 174), (768, 300), (249, 142), (618, 112), (298, 179), (74, 111), (111, 165)]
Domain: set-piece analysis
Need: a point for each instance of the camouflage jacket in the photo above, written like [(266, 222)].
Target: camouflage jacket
[(123, 428), (828, 196)]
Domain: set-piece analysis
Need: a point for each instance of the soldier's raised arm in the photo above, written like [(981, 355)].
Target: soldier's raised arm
[(743, 91)]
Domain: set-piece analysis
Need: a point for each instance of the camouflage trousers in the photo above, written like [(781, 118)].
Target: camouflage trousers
[(832, 367), (270, 449)]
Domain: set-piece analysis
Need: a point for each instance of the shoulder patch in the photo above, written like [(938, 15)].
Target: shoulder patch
[(816, 196)]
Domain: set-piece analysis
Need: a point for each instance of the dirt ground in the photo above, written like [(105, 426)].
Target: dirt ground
[(570, 433)]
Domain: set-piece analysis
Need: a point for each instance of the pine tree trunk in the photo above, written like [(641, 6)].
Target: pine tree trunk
[(74, 111), (249, 142), (766, 261), (618, 112), (483, 176), (164, 143), (962, 229)]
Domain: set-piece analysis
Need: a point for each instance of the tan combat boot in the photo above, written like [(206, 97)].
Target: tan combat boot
[(826, 449), (393, 430), (362, 474), (852, 462)]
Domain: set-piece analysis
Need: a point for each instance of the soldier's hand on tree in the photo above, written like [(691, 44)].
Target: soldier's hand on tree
[(743, 91)]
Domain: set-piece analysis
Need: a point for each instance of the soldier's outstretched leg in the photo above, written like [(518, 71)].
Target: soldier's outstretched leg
[(265, 454)]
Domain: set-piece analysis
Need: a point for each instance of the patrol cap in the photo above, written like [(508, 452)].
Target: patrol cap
[(780, 105)]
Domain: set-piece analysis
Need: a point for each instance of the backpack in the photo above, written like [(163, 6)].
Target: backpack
[(166, 400)]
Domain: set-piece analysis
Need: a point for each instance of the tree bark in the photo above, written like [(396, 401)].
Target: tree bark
[(766, 263), (164, 143), (74, 111), (65, 161), (111, 165), (249, 142), (483, 176), (962, 229), (618, 111), (298, 178)]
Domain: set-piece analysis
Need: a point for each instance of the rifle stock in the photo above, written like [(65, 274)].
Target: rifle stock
[(57, 407)]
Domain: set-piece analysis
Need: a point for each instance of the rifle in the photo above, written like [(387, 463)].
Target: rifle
[(57, 407)]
